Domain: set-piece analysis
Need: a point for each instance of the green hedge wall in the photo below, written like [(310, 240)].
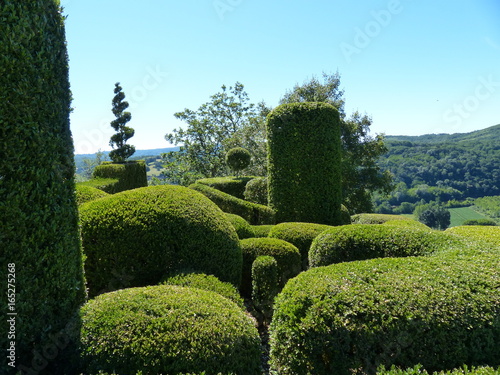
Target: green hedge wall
[(130, 175), (287, 256), (107, 185), (85, 193), (299, 234), (168, 329), (304, 156), (261, 230), (439, 311), (419, 370), (40, 250), (136, 237), (481, 233), (243, 228), (368, 241), (264, 285), (234, 186), (255, 214)]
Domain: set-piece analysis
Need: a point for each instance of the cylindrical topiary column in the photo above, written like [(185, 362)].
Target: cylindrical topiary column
[(40, 250), (304, 153)]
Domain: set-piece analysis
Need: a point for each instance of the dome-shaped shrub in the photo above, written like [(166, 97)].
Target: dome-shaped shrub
[(256, 191), (287, 256), (207, 282), (242, 227), (167, 329), (86, 194), (238, 158), (136, 237), (376, 218), (299, 234), (367, 241)]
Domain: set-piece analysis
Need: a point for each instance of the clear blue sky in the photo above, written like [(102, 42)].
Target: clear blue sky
[(417, 67)]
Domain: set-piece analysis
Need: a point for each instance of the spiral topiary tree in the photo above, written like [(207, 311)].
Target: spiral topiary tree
[(238, 159), (304, 154), (123, 132), (40, 248)]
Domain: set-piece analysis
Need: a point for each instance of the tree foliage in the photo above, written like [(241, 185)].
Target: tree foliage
[(361, 175), (237, 159), (433, 215), (123, 133)]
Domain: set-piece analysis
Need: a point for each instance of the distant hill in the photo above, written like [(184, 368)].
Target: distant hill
[(452, 166)]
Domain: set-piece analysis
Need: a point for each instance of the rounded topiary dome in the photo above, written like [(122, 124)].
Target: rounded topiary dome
[(136, 237), (167, 329)]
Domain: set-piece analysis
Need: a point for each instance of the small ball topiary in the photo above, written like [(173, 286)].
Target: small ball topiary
[(287, 256), (299, 234), (206, 282), (136, 237), (256, 191), (264, 285), (242, 227), (86, 194), (238, 159), (167, 329)]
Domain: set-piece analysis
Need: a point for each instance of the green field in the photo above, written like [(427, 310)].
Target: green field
[(459, 215)]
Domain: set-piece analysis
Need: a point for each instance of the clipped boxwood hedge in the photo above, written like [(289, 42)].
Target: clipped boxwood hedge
[(367, 241), (207, 282), (234, 186), (40, 249), (286, 254), (299, 234), (376, 218), (104, 184), (168, 329), (136, 237), (130, 175), (85, 193), (488, 234), (419, 370), (256, 191), (255, 214), (243, 228), (261, 230), (304, 158), (440, 311), (264, 284)]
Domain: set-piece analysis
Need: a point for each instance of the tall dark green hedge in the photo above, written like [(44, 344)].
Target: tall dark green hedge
[(38, 211), (304, 153), (130, 175)]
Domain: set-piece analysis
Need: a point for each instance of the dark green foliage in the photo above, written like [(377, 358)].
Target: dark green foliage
[(440, 311), (168, 329), (345, 216), (136, 237), (287, 256), (264, 285), (238, 159), (85, 193), (207, 282), (419, 370), (486, 222), (304, 152), (234, 186), (260, 231), (242, 227), (433, 215), (367, 241), (123, 132), (130, 175), (256, 191), (255, 214), (39, 232), (299, 234)]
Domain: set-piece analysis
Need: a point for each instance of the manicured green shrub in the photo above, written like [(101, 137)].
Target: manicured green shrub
[(367, 241), (407, 223), (376, 218), (304, 157), (345, 216), (486, 222), (264, 285), (256, 191), (238, 158), (440, 311), (261, 230), (480, 233), (255, 214), (168, 329), (104, 184), (419, 370), (287, 256), (299, 234), (40, 249), (130, 175), (206, 282), (234, 186), (136, 237), (242, 227), (86, 193)]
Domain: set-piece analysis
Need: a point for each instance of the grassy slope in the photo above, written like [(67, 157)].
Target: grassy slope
[(459, 215)]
